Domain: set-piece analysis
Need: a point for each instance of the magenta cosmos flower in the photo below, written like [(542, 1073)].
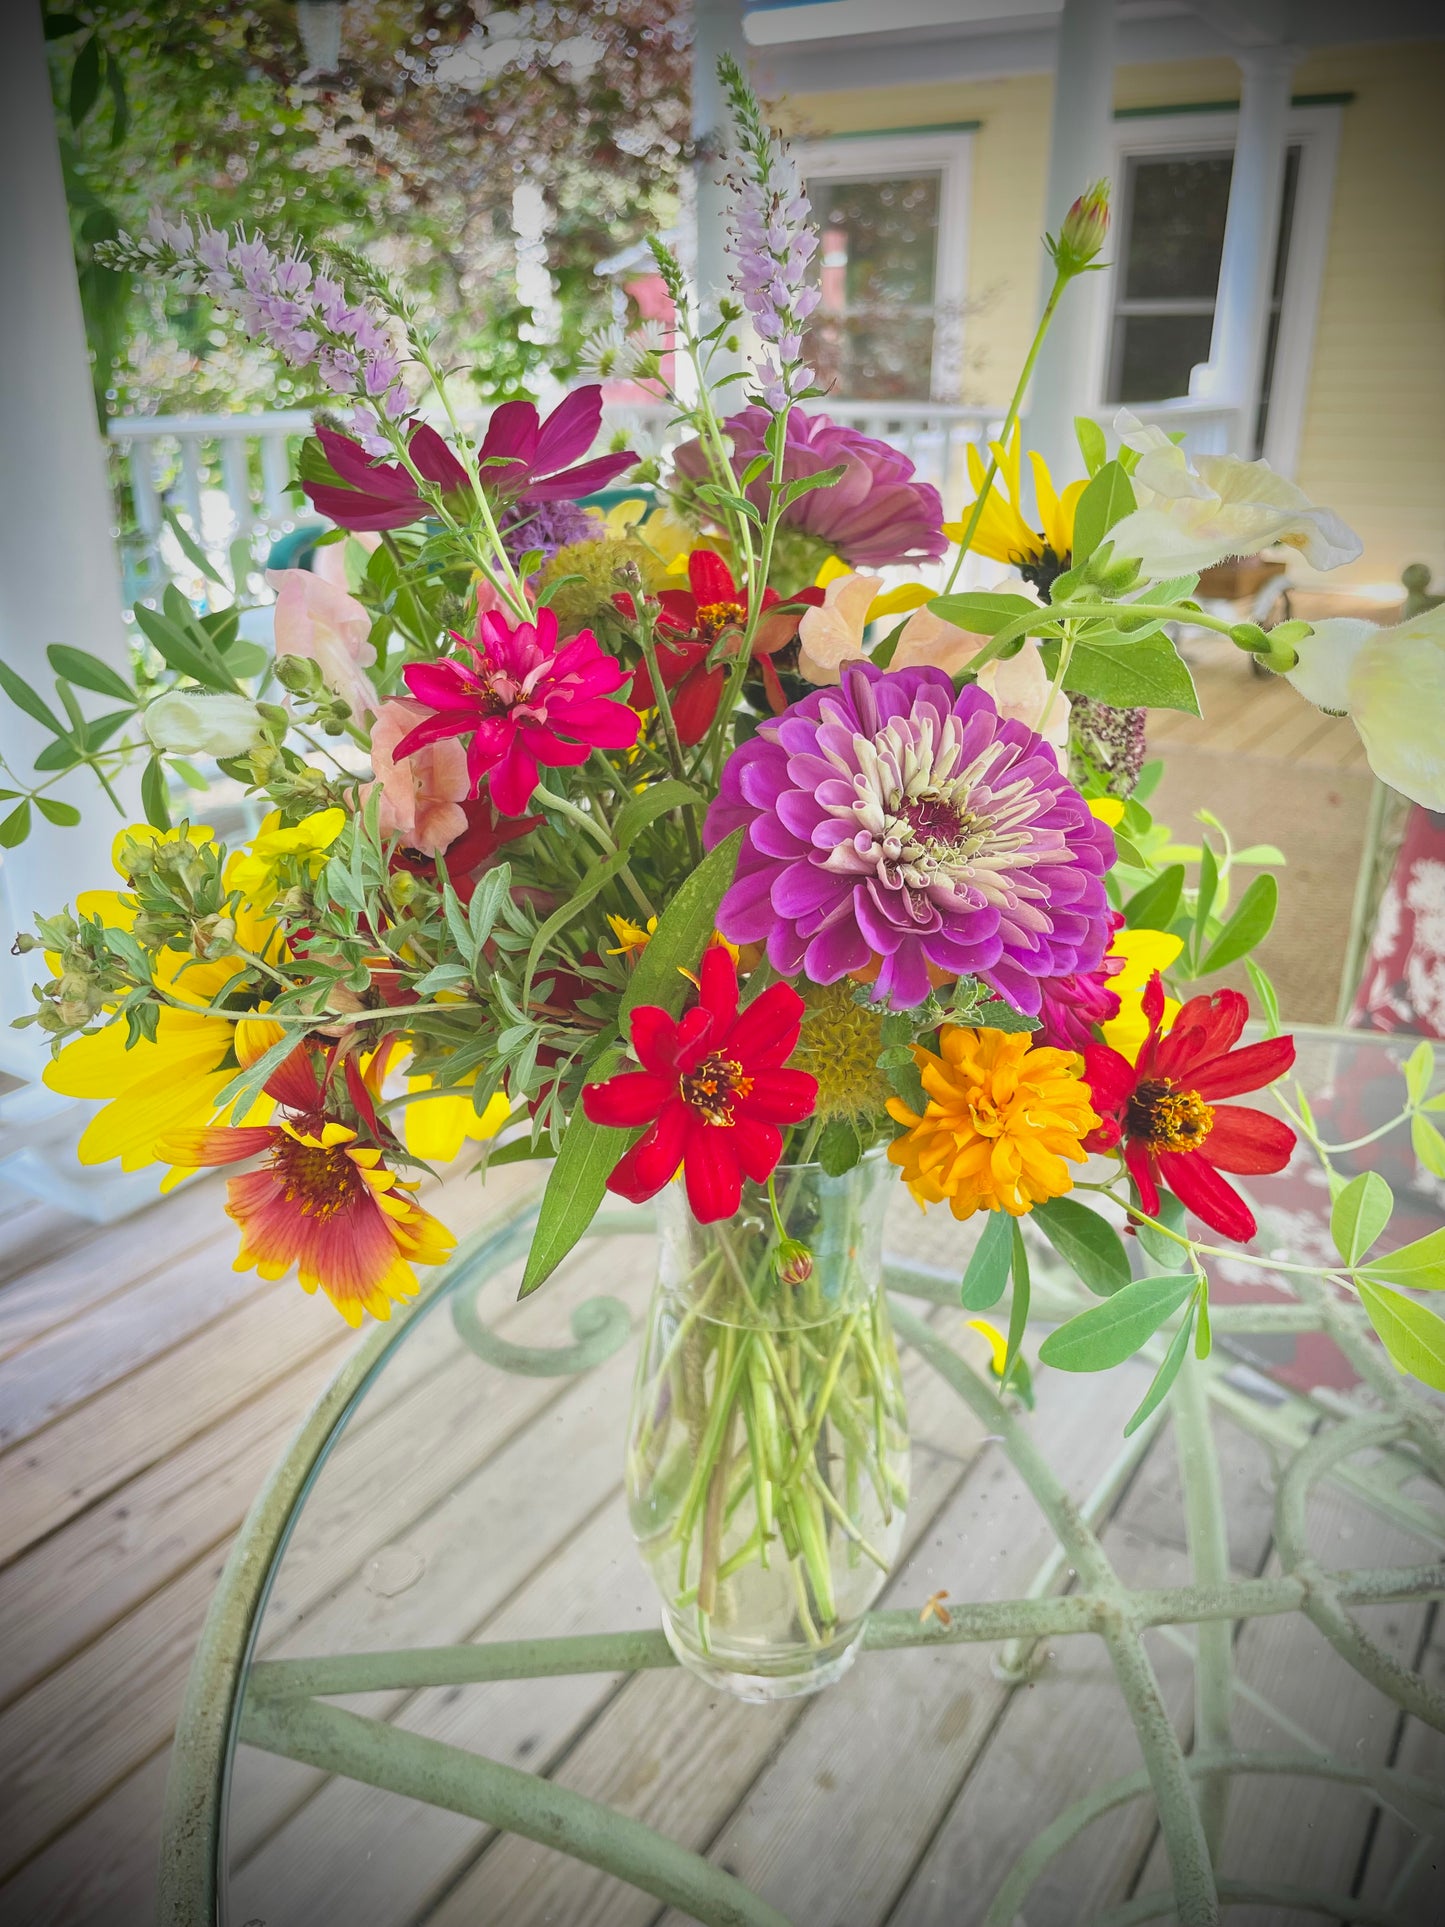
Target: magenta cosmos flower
[(892, 819), (523, 702), (521, 458), (875, 513)]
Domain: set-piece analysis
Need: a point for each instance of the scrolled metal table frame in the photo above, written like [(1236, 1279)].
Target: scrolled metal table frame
[(283, 1710)]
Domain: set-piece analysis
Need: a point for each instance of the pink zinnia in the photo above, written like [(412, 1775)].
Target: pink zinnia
[(523, 703), (1074, 1005)]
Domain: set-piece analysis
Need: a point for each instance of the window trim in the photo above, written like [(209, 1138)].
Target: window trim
[(1316, 132), (871, 157)]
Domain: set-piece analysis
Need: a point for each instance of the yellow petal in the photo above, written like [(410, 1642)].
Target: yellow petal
[(830, 571), (998, 1344), (900, 601), (1144, 952), (1108, 809)]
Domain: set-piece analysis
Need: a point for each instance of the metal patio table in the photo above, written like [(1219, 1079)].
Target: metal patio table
[(264, 1727)]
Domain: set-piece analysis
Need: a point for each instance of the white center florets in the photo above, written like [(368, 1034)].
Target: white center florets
[(926, 822)]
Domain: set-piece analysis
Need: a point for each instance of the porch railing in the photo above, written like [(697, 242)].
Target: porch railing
[(229, 476)]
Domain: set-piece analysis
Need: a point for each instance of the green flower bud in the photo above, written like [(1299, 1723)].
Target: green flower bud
[(1249, 635), (794, 1262), (1084, 230)]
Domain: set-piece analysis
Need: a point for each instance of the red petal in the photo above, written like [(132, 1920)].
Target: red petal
[(570, 430), (1248, 1141), (694, 704), (714, 1177), (696, 1036), (1199, 1186), (1141, 1169), (640, 1173), (1249, 1069), (1205, 1028), (766, 1033), (633, 1098), (758, 1146), (435, 460), (654, 1040), (717, 993), (710, 577), (294, 1082), (780, 1097), (219, 1144), (1110, 1077)]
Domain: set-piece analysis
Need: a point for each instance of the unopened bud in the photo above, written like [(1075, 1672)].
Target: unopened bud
[(403, 888), (23, 945), (1084, 230), (1112, 576), (74, 1014), (794, 1262), (299, 674), (215, 936)]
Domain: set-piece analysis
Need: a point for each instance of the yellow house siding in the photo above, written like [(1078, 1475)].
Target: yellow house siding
[(1373, 443)]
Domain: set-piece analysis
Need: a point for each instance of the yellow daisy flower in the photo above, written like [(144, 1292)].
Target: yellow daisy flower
[(1003, 533), (1001, 1117), (257, 874)]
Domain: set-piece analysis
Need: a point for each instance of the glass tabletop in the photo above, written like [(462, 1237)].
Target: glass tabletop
[(472, 1492)]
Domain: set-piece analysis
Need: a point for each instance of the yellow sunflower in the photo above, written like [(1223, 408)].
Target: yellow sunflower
[(1004, 534)]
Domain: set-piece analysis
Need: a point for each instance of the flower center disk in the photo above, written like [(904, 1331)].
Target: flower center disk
[(319, 1180), (711, 1088), (1170, 1119)]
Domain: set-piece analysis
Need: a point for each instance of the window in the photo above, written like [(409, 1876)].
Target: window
[(890, 267), (1172, 200)]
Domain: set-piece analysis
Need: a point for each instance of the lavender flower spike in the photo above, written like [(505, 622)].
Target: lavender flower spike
[(305, 317), (772, 243)]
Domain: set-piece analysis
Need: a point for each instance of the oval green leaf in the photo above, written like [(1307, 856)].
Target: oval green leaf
[(1420, 1265), (1093, 1249), (1360, 1214), (1250, 925), (986, 1277), (1412, 1334), (1107, 1334)]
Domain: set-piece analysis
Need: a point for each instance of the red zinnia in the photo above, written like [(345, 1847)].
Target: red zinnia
[(690, 625), (712, 1089), (1165, 1108), (523, 701)]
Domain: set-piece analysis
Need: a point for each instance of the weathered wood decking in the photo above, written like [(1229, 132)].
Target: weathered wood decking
[(145, 1388)]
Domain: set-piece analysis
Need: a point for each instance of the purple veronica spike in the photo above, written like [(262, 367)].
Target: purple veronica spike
[(891, 818), (306, 318)]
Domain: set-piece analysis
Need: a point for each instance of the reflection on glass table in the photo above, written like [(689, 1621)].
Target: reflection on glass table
[(1008, 1752)]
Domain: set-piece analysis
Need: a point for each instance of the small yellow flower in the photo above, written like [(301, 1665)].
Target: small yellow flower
[(1003, 533), (258, 873), (1001, 1117), (1144, 952), (632, 939)]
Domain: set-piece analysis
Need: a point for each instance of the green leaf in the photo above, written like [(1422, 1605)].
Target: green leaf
[(16, 827), (1420, 1265), (1428, 1145), (181, 653), (63, 753), (154, 799), (193, 551), (1360, 1213), (1165, 1376), (85, 78), (485, 904), (120, 106), (1164, 1251), (805, 484), (64, 815), (838, 1148), (1018, 1317), (1249, 925), (577, 1185), (1204, 896), (77, 666), (1105, 1335), (1142, 672), (1412, 1334), (986, 611), (682, 933), (1264, 996), (1107, 500), (1092, 1248), (1258, 855), (986, 1276), (24, 697), (1093, 444), (1154, 907), (1419, 1070)]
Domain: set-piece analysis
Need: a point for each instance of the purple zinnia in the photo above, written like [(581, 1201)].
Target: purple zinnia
[(890, 817), (874, 514)]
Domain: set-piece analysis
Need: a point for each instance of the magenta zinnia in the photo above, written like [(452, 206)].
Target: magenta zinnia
[(891, 818), (712, 1091), (875, 513), (523, 702)]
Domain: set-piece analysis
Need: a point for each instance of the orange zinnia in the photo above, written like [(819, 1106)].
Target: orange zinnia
[(322, 1200)]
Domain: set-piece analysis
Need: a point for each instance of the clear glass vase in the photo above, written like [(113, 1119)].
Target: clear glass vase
[(767, 1458)]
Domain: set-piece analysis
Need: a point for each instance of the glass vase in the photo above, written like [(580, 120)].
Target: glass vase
[(767, 1458)]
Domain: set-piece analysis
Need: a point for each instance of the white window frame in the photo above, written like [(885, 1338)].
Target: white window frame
[(872, 157), (1316, 132)]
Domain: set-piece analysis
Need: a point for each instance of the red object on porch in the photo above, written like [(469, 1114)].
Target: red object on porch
[(1403, 984)]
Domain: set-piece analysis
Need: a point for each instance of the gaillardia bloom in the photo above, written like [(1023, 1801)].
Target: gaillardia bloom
[(876, 512), (322, 1200), (524, 701), (1002, 1115), (1166, 1109), (712, 1091), (892, 818)]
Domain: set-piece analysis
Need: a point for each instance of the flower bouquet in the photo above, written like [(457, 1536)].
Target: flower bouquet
[(680, 847)]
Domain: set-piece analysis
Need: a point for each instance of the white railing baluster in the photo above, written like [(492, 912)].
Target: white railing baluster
[(276, 473), (236, 480)]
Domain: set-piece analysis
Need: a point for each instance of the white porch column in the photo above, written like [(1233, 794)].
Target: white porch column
[(717, 30), (1080, 150), (59, 574), (1231, 376)]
